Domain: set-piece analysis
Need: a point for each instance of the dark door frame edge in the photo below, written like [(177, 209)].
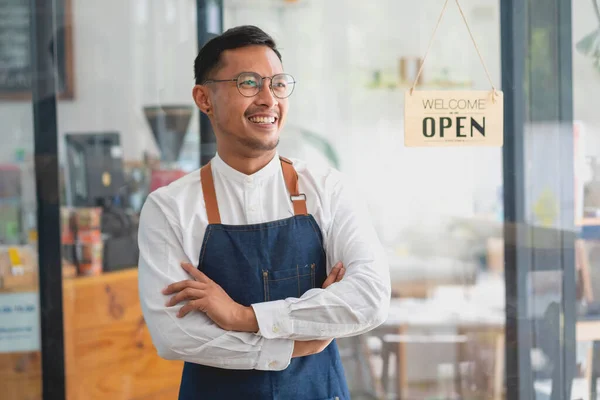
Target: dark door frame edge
[(519, 385), (207, 27), (568, 234), (43, 29)]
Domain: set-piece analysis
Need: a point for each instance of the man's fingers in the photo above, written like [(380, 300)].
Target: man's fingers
[(332, 275), (331, 278), (189, 307), (340, 274), (194, 272), (186, 294), (179, 286)]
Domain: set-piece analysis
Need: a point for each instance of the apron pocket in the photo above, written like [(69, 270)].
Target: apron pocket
[(293, 282)]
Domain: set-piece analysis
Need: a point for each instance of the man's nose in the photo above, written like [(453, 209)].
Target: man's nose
[(265, 95)]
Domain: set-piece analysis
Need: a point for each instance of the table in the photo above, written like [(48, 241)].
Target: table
[(466, 315)]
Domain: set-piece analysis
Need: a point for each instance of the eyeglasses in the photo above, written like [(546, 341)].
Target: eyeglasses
[(249, 84)]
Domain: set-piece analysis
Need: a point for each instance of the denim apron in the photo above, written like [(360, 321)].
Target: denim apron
[(257, 263)]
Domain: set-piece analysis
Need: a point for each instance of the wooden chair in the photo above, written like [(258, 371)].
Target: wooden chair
[(357, 356)]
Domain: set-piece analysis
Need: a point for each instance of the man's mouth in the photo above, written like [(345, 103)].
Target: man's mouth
[(263, 120)]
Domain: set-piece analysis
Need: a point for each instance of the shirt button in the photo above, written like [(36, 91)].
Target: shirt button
[(252, 208), (249, 179), (273, 364), (275, 329)]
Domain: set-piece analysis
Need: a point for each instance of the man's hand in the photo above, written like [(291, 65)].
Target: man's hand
[(336, 275), (310, 347), (203, 294)]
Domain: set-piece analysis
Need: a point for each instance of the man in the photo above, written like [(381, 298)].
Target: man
[(249, 268)]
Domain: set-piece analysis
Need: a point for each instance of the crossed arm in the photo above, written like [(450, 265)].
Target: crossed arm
[(191, 318), (202, 294)]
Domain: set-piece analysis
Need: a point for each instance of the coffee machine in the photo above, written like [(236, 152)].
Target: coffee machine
[(169, 124)]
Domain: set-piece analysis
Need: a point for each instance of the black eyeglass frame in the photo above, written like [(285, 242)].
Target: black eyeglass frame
[(260, 83)]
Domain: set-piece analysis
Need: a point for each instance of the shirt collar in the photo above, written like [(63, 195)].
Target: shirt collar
[(273, 167)]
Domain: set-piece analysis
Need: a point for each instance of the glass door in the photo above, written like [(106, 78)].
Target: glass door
[(438, 211), (128, 128), (484, 243), (30, 365)]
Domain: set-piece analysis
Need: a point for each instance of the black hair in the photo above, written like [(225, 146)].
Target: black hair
[(209, 57)]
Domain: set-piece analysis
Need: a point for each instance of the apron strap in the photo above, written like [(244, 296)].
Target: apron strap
[(291, 181), (289, 175), (210, 196)]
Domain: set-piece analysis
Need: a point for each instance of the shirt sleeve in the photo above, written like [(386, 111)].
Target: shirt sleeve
[(356, 304), (193, 338)]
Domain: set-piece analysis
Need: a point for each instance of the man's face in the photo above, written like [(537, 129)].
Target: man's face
[(247, 124)]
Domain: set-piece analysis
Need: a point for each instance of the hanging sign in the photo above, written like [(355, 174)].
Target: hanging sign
[(453, 118), (441, 118)]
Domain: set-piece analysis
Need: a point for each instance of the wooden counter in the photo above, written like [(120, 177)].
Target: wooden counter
[(108, 350)]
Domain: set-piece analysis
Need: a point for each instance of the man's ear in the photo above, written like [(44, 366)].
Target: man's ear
[(201, 98)]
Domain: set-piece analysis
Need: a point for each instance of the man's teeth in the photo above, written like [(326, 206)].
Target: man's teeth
[(262, 120)]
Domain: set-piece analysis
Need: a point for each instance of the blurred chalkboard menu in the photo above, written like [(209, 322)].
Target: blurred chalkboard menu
[(16, 67)]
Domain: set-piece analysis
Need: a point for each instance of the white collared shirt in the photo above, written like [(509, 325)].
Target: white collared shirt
[(172, 225)]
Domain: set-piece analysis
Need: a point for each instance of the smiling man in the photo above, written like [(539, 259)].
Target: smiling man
[(252, 266)]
